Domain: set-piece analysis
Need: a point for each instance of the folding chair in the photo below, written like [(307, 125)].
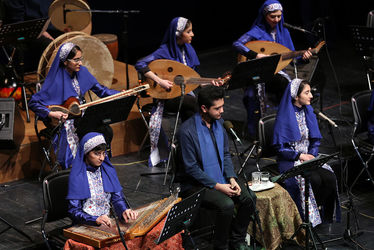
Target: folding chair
[(265, 145), (55, 189), (364, 150)]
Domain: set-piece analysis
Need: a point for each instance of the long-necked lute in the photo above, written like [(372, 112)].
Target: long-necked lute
[(177, 73), (271, 48), (72, 107)]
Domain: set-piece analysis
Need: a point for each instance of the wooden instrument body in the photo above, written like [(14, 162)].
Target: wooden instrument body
[(267, 48), (173, 71), (271, 48), (148, 217), (70, 106)]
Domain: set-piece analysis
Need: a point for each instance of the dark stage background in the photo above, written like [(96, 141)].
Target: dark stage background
[(218, 24)]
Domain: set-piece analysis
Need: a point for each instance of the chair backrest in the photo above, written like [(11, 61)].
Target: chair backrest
[(55, 189), (360, 103), (265, 135), (370, 19)]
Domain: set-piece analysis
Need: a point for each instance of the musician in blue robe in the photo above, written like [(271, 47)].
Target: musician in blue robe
[(176, 46), (206, 163), (94, 185), (297, 139), (268, 26), (67, 78)]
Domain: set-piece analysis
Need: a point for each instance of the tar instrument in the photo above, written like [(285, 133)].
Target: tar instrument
[(148, 217), (271, 48), (179, 74), (72, 107)]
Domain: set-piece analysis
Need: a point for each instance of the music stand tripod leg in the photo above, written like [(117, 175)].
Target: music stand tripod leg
[(174, 131), (307, 225), (15, 228)]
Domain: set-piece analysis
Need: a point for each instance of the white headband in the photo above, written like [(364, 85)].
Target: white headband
[(65, 50), (273, 7), (181, 25), (93, 142), (295, 84)]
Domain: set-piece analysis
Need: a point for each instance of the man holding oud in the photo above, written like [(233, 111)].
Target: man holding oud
[(206, 163), (67, 78), (268, 26)]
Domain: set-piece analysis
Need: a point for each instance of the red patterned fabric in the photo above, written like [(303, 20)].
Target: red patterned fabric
[(146, 242)]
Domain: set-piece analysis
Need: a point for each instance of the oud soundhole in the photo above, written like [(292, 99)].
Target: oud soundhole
[(170, 69), (262, 50)]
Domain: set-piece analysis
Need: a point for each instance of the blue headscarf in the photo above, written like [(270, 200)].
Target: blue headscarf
[(286, 128), (79, 188), (171, 50), (260, 29), (58, 87)]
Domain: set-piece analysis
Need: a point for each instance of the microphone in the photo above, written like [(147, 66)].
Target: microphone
[(228, 126), (295, 28), (64, 13), (323, 116)]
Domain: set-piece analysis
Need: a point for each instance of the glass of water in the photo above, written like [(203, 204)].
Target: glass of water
[(265, 177), (256, 178)]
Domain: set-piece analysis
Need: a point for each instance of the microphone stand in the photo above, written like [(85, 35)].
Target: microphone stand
[(125, 14), (121, 234)]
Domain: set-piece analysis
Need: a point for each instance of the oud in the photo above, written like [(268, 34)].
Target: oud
[(271, 48), (179, 74)]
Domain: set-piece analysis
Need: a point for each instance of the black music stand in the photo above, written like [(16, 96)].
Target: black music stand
[(104, 114), (363, 38), (305, 170), (253, 72), (181, 216), (14, 34)]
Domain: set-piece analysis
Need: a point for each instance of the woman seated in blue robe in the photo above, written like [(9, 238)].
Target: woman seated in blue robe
[(94, 185), (297, 139), (67, 78), (176, 46), (268, 26)]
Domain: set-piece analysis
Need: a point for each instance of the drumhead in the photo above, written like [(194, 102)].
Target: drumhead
[(106, 38), (74, 21), (97, 57), (45, 61)]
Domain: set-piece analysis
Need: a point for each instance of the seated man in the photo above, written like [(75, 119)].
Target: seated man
[(94, 185), (207, 164)]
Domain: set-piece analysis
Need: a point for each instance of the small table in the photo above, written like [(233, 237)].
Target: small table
[(279, 218)]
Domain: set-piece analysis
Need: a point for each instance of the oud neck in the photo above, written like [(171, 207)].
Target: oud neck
[(293, 54), (200, 80)]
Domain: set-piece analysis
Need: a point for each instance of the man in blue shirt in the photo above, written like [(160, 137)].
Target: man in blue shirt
[(207, 164)]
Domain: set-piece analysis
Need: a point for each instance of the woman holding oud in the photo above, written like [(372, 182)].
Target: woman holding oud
[(176, 46), (268, 26), (297, 139), (67, 78)]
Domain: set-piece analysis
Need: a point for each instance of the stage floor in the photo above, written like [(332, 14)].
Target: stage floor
[(21, 201)]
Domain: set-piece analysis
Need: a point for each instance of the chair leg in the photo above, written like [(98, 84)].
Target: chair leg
[(42, 229), (364, 164)]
